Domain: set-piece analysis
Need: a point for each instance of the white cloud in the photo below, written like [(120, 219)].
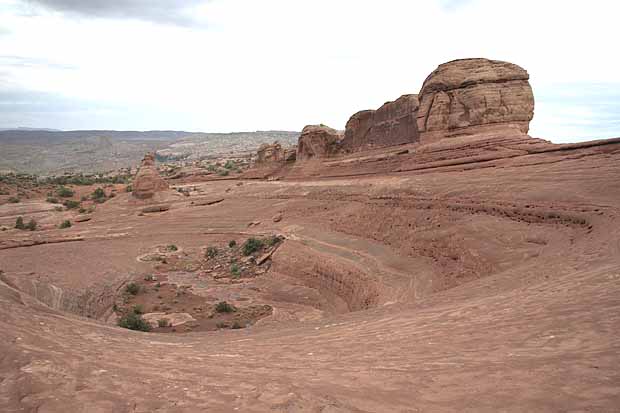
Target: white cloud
[(283, 64)]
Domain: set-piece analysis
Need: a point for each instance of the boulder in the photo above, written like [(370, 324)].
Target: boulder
[(394, 123), (471, 96), (270, 153), (317, 141), (147, 181)]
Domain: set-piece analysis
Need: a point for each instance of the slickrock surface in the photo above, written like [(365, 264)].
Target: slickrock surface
[(317, 141), (394, 123), (474, 95), (147, 181)]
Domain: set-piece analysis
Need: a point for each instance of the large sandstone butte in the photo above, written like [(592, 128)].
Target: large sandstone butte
[(317, 141), (147, 181), (394, 123), (476, 273), (470, 96)]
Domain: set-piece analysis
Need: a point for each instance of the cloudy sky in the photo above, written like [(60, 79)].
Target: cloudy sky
[(236, 65)]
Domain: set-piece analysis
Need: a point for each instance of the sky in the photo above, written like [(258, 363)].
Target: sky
[(243, 65)]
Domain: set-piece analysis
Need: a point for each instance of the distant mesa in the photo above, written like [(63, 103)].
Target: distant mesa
[(394, 123), (147, 181), (471, 96), (318, 141)]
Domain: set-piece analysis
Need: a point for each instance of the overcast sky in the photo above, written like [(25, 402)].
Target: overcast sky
[(237, 65)]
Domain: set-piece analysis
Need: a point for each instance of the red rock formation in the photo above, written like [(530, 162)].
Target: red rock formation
[(470, 96), (317, 141), (147, 180), (394, 123), (274, 153)]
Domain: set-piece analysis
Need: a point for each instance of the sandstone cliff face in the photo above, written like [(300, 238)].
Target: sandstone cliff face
[(317, 141), (147, 180), (474, 95), (394, 123)]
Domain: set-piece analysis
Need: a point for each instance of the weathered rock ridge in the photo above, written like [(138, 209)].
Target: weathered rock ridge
[(273, 153), (470, 96), (147, 181), (394, 123), (317, 141)]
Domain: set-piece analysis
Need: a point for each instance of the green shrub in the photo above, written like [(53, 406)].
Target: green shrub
[(134, 321), (65, 224), (19, 223), (71, 204), (224, 172), (162, 323), (129, 188), (98, 193), (252, 245), (31, 225), (232, 243), (229, 164), (224, 307), (64, 192), (211, 252), (172, 247), (273, 240), (13, 200), (235, 271), (132, 288), (52, 200), (138, 309), (211, 168), (58, 209)]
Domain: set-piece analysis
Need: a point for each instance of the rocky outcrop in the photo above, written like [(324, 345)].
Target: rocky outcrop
[(394, 123), (471, 96), (274, 153), (147, 181), (317, 141)]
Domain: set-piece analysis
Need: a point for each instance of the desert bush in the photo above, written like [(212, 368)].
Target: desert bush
[(132, 288), (224, 172), (221, 324), (58, 209), (134, 321), (31, 225), (65, 224), (252, 245), (211, 252), (129, 188), (19, 223), (232, 243), (211, 168), (234, 270), (52, 200), (236, 325), (229, 164), (273, 240), (224, 307), (162, 322), (71, 204), (172, 247), (98, 194), (13, 200), (64, 192), (138, 309)]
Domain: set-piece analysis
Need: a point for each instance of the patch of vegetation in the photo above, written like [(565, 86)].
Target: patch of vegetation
[(162, 323), (221, 324), (273, 240), (65, 224), (64, 192), (132, 288), (224, 172), (211, 252), (19, 223), (211, 168), (224, 307), (236, 325), (52, 200), (235, 271), (252, 245), (229, 164), (71, 204), (134, 321), (138, 309), (232, 243), (172, 247), (31, 225), (13, 200), (129, 188), (58, 209)]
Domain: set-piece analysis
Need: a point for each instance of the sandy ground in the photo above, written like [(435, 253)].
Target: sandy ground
[(485, 286)]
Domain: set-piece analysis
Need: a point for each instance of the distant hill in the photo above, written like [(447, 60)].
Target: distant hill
[(54, 152)]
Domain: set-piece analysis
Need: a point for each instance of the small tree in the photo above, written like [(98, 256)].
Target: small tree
[(252, 245), (64, 192), (65, 224), (19, 223), (224, 307), (98, 193), (211, 252), (132, 288), (232, 244)]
